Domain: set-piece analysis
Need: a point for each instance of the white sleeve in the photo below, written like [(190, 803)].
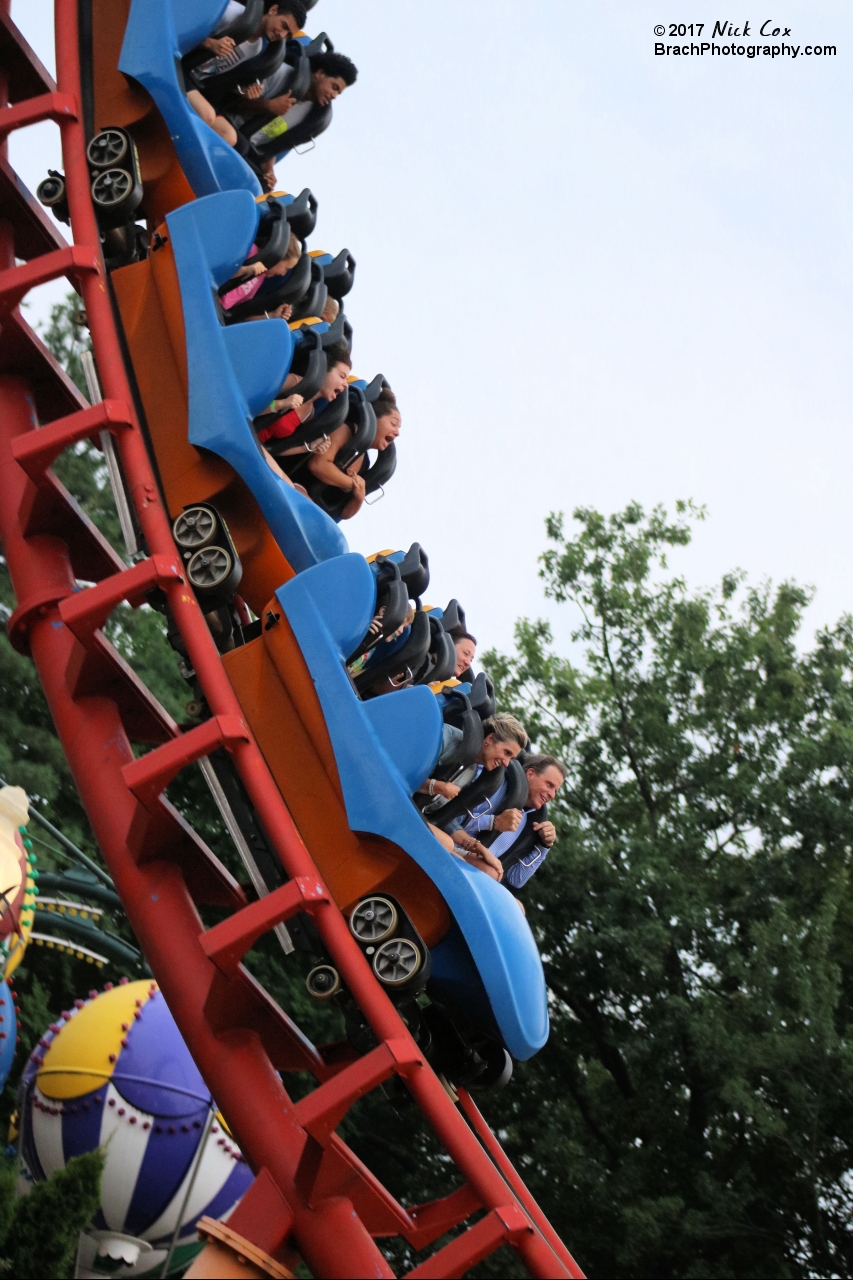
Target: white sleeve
[(233, 11)]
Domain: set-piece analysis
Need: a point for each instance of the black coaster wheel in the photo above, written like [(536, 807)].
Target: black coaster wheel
[(194, 528), (51, 192), (112, 192), (108, 148), (323, 982), (374, 920), (210, 568), (397, 961)]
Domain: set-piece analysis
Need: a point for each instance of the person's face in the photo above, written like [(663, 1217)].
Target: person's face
[(542, 787), (387, 429), (336, 381), (465, 650), (494, 753), (282, 267), (324, 89), (278, 26)]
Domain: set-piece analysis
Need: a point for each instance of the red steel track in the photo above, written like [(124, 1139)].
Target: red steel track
[(312, 1197)]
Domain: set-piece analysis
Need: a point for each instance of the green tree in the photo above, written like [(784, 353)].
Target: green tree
[(694, 917), (40, 1230)]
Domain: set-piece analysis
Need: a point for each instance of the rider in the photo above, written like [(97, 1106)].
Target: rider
[(331, 74), (466, 651), (388, 425), (524, 835), (504, 737), (280, 22)]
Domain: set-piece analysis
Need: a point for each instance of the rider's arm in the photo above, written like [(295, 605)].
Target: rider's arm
[(323, 466)]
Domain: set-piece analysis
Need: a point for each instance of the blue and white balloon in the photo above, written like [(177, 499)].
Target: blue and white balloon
[(115, 1073)]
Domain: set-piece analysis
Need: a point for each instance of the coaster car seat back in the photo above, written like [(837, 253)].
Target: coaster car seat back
[(157, 35), (310, 361), (414, 569), (313, 300), (273, 234), (515, 797), (337, 332), (459, 713), (361, 421), (373, 389)]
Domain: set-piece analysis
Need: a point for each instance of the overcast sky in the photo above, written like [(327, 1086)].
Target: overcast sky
[(591, 275)]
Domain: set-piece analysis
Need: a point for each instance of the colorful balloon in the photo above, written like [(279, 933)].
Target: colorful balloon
[(8, 1031), (18, 879), (115, 1072)]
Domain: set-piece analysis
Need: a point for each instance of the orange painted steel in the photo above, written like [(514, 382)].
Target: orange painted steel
[(312, 1198), (149, 303)]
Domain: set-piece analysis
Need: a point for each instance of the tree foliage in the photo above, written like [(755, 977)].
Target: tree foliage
[(689, 1115), (39, 1231), (694, 917)]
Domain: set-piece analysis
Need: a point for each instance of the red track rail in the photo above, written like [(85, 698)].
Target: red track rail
[(312, 1197)]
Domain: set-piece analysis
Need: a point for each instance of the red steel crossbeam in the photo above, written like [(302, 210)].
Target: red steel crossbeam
[(311, 1194)]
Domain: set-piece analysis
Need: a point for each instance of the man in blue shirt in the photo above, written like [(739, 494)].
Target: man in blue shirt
[(523, 836)]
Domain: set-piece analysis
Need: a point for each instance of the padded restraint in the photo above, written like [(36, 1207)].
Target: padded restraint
[(440, 661), (482, 696), (242, 28), (409, 651), (458, 712), (221, 89), (480, 789)]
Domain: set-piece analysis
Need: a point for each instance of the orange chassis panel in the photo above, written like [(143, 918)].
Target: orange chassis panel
[(269, 674), (149, 302), (122, 102), (278, 699)]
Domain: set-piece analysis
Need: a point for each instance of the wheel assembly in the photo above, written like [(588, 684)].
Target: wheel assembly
[(210, 569), (111, 188), (194, 528), (323, 982), (52, 194), (374, 920), (396, 962), (312, 1200), (108, 148)]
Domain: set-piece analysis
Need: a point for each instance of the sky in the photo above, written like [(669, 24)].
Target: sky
[(592, 275)]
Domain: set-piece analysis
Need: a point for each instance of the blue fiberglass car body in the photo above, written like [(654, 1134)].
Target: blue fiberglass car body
[(236, 371), (158, 33), (488, 965)]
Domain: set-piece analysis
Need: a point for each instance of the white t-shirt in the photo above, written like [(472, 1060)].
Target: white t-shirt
[(248, 49), (233, 11)]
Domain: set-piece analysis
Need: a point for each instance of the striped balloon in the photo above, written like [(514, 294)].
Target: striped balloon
[(8, 1031), (116, 1073)]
